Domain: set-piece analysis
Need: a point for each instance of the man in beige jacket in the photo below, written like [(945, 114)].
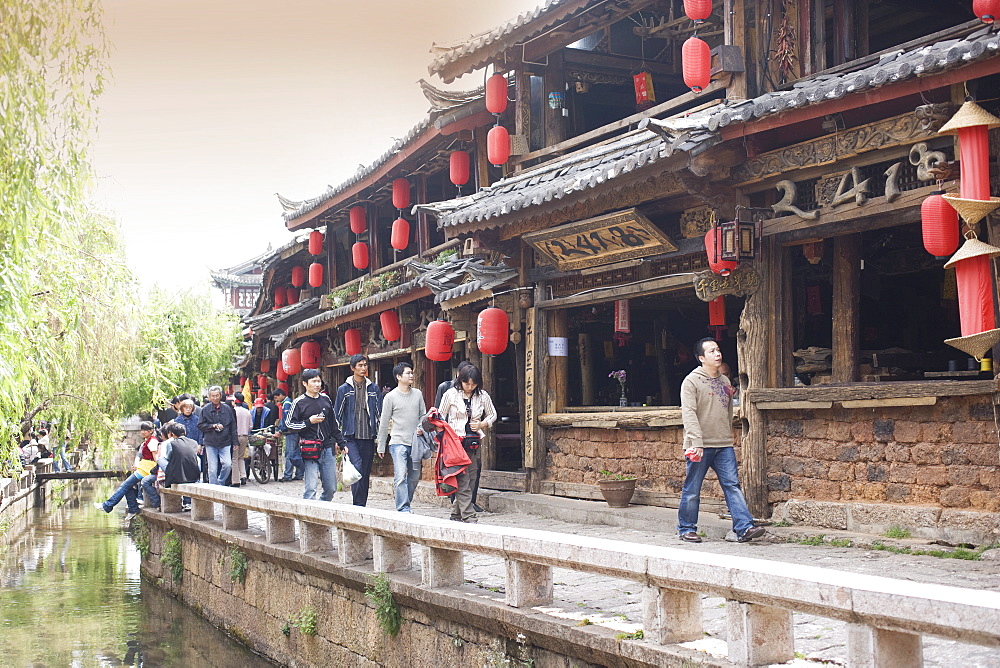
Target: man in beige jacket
[(707, 412)]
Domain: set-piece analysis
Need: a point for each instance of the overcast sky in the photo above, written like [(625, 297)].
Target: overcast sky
[(215, 105)]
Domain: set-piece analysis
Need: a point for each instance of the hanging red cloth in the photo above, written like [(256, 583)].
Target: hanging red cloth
[(623, 322), (975, 295)]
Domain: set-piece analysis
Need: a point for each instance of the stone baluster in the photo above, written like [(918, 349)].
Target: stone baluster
[(234, 519), (170, 503), (671, 615), (442, 568), (390, 554), (354, 547), (280, 529), (759, 634), (315, 537), (528, 584), (869, 647), (202, 509)]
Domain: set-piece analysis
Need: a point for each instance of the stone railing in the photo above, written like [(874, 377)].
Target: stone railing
[(886, 617)]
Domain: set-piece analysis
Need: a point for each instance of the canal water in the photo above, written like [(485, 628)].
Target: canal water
[(71, 595)]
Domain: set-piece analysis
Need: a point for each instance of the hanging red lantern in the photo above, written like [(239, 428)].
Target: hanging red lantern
[(496, 94), (311, 354), (390, 325), (315, 242), (492, 327), (262, 382), (292, 294), (401, 193), (440, 340), (265, 365), (352, 341), (243, 381), (284, 388), (939, 224), (712, 247), (279, 371), (498, 145), (400, 238), (458, 168), (698, 10), (986, 10), (359, 222), (359, 252), (280, 298), (696, 63), (291, 361), (298, 276), (316, 274)]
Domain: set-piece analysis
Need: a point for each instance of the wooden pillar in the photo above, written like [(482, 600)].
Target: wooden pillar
[(662, 370), (846, 295), (374, 242), (482, 160), (584, 342), (779, 287), (488, 453), (558, 367), (735, 31), (423, 231), (751, 346), (554, 82), (534, 394), (420, 376), (522, 119)]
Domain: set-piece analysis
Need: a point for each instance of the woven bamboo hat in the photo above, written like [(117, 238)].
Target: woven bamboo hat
[(969, 115), (972, 210), (976, 345), (972, 247)]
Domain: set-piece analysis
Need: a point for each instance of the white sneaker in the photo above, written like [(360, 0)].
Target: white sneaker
[(99, 505), (130, 516)]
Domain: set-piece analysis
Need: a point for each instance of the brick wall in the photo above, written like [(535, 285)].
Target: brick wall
[(943, 455)]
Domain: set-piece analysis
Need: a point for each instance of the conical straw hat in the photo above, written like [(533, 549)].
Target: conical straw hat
[(976, 345), (971, 114), (972, 210), (972, 247)]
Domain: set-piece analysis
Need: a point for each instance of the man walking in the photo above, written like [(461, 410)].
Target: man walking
[(293, 458), (244, 420), (313, 419), (402, 408), (358, 408), (707, 413), (218, 427)]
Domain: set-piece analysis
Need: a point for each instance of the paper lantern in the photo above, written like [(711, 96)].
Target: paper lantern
[(262, 382), (400, 238), (243, 381), (492, 331), (352, 341), (986, 10), (359, 252), (698, 10), (496, 94), (279, 371), (291, 361), (310, 355), (280, 298), (316, 274), (298, 276), (498, 145), (939, 225), (440, 340), (401, 193), (458, 168), (712, 246), (265, 366), (283, 387), (696, 64), (315, 242), (292, 294), (359, 222), (390, 325)]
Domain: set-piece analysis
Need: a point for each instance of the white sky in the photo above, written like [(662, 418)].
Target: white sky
[(215, 105)]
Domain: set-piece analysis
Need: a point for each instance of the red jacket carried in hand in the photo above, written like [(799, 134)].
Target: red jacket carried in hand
[(452, 458)]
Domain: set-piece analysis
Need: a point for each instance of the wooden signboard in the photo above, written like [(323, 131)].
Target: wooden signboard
[(741, 282), (624, 235), (529, 388)]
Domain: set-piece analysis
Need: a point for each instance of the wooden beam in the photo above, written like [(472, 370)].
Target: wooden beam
[(735, 29), (846, 307), (855, 391), (417, 293), (646, 287), (883, 403), (596, 62), (793, 405)]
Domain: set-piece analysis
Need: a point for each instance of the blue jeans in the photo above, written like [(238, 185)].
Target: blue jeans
[(404, 476), (60, 456), (127, 491), (220, 464), (293, 457), (723, 462), (149, 490), (324, 468), (361, 452)]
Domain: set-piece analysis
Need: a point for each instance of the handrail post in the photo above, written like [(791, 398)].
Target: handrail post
[(170, 503), (202, 509), (234, 519), (390, 555), (672, 615), (354, 547), (314, 537), (528, 584), (442, 568), (759, 634), (869, 647), (280, 529)]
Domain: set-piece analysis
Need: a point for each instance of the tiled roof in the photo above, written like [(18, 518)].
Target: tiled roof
[(242, 280), (274, 323)]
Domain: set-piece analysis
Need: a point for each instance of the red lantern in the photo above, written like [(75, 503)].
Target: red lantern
[(262, 382), (284, 388), (492, 331), (390, 325), (292, 295), (986, 10), (352, 341), (291, 361), (311, 354), (316, 274), (712, 246), (440, 339), (279, 372), (243, 381), (696, 63), (458, 168), (975, 295), (698, 10), (315, 242), (298, 276), (939, 225), (400, 238), (401, 193), (359, 251), (280, 298), (265, 366), (359, 222), (496, 94), (498, 145)]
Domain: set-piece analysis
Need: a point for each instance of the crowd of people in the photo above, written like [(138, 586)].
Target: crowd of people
[(36, 445)]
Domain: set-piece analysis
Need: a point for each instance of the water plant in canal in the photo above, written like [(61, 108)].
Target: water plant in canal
[(140, 536), (237, 565), (306, 621), (171, 556), (379, 592)]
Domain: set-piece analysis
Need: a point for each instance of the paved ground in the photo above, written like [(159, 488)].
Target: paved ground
[(617, 603)]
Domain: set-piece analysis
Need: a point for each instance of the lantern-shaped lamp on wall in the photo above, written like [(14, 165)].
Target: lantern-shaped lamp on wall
[(352, 341), (311, 353), (390, 325), (739, 239), (713, 247), (440, 340), (492, 331)]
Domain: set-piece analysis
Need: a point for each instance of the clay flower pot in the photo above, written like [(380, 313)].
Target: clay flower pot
[(617, 493)]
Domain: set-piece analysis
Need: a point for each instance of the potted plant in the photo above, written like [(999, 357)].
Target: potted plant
[(620, 375), (617, 488)]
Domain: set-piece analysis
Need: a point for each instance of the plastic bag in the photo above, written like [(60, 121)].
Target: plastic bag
[(348, 473)]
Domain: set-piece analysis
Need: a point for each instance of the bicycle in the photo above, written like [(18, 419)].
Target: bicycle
[(265, 454)]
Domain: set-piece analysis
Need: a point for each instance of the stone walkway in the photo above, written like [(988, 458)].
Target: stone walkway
[(616, 604)]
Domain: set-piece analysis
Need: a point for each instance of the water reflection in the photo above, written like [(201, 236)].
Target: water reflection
[(71, 595)]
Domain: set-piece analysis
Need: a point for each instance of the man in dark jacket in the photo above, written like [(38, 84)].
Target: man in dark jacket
[(358, 408), (218, 428), (180, 458), (313, 420)]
